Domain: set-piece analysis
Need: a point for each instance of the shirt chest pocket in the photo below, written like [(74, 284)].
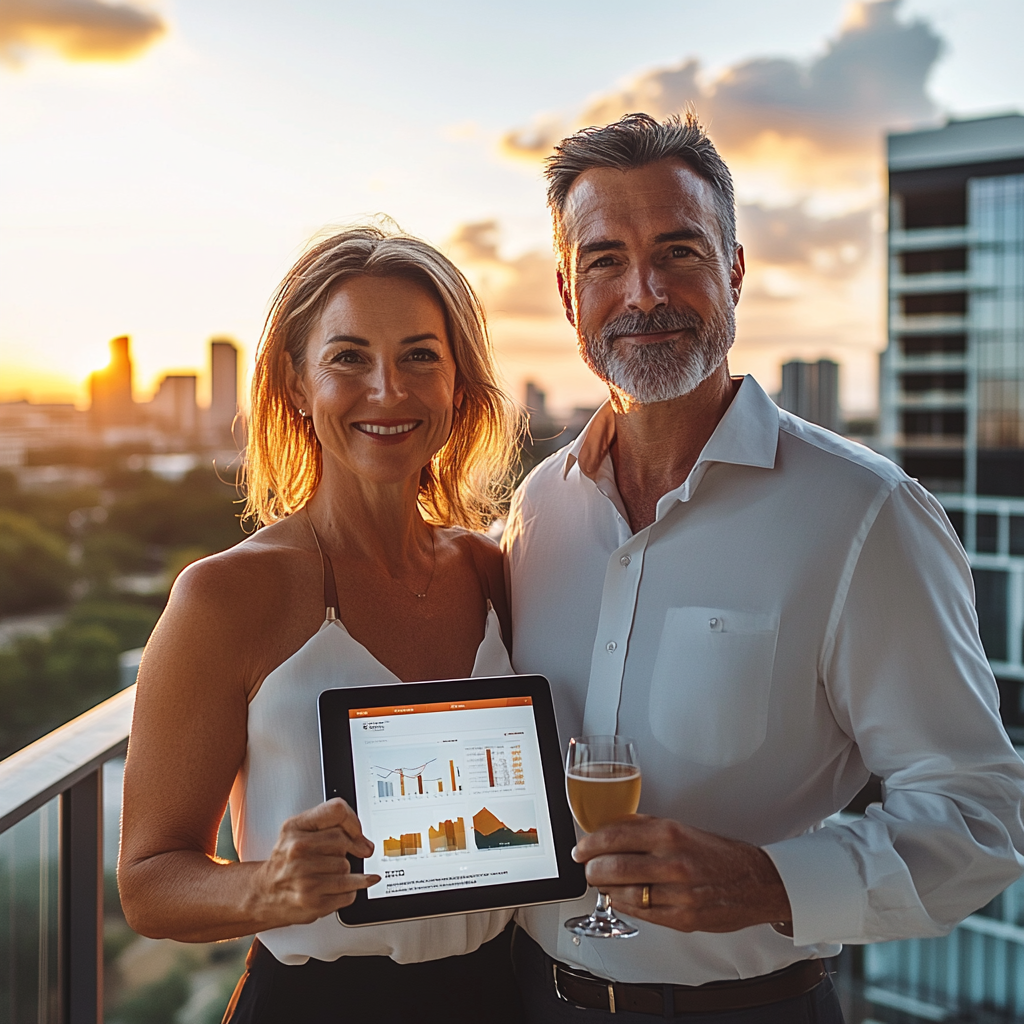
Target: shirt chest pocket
[(712, 682)]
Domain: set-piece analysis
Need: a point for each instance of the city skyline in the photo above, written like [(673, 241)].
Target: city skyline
[(162, 192)]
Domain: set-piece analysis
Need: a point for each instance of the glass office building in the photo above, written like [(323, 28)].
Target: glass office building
[(952, 414), (952, 381)]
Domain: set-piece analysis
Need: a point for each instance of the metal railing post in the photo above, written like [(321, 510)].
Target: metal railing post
[(81, 901)]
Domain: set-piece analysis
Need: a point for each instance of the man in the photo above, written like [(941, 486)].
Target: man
[(770, 611)]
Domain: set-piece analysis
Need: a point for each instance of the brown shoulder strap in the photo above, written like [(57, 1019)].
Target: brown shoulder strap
[(330, 584)]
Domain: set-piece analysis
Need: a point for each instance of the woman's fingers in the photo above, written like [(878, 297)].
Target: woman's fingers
[(330, 815), (295, 844), (309, 870), (351, 884)]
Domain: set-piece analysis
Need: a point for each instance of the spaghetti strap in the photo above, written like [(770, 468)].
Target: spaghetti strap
[(330, 584), (496, 597)]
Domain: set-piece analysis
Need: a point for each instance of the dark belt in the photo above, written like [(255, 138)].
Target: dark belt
[(586, 991)]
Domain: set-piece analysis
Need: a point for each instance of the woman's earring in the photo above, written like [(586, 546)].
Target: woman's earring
[(302, 413)]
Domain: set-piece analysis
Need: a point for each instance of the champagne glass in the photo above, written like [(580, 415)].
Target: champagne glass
[(602, 780)]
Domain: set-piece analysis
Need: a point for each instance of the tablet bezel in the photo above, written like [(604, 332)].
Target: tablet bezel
[(339, 781)]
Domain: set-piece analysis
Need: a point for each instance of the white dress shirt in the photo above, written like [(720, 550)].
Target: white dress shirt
[(799, 614)]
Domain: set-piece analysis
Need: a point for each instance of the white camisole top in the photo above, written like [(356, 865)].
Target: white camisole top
[(281, 776)]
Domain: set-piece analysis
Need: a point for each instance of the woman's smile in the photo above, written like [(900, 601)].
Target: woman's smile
[(387, 431)]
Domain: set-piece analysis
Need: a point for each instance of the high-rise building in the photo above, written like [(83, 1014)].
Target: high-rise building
[(952, 376), (952, 391), (952, 414), (110, 389), (536, 400), (174, 408), (811, 391), (223, 390)]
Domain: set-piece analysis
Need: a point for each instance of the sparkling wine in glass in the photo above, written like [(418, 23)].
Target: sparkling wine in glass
[(602, 780)]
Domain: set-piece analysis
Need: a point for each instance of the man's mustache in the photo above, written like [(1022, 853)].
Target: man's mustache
[(655, 322)]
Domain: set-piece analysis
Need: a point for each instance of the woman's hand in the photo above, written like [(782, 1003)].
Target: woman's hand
[(307, 874)]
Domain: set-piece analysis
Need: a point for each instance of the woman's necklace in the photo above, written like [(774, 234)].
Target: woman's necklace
[(433, 569)]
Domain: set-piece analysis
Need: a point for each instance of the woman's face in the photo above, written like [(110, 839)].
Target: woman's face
[(379, 378)]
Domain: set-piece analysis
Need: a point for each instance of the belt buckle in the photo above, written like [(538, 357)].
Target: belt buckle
[(558, 992)]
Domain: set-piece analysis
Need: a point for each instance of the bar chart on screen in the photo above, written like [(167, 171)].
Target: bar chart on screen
[(416, 772), (447, 836), (495, 766)]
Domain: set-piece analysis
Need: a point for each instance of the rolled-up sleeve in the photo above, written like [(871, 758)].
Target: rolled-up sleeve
[(908, 681)]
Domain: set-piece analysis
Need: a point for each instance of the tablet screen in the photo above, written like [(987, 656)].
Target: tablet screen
[(452, 795)]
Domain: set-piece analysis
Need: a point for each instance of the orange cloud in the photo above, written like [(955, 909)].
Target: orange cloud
[(77, 30), (523, 286), (872, 76), (804, 140)]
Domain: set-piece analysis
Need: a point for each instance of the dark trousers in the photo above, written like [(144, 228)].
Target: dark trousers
[(375, 990), (533, 969)]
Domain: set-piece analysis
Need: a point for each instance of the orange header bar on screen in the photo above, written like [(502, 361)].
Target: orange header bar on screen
[(453, 705)]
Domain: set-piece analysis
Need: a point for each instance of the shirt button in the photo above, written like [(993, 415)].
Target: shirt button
[(610, 646), (713, 623), (625, 560)]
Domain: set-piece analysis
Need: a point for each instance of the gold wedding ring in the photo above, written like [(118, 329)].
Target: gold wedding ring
[(645, 899)]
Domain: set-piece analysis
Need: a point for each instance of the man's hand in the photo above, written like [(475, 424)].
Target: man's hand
[(698, 882)]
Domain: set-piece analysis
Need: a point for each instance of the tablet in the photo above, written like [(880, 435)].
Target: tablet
[(461, 787)]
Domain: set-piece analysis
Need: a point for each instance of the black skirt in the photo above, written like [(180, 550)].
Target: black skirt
[(456, 989)]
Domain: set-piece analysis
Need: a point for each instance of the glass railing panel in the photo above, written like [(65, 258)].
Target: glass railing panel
[(29, 879), (159, 981)]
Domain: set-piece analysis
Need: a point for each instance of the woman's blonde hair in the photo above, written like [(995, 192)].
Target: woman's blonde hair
[(467, 481)]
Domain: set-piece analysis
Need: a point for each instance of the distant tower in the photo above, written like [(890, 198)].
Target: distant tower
[(111, 389), (174, 405), (223, 390), (536, 400), (811, 391)]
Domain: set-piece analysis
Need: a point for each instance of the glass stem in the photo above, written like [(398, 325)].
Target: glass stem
[(604, 906)]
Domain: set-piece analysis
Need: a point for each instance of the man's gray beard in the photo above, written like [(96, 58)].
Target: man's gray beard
[(661, 371)]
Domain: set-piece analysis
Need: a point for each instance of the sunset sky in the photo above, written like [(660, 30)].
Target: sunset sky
[(164, 163)]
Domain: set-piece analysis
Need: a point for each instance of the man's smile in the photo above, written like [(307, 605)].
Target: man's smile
[(652, 339)]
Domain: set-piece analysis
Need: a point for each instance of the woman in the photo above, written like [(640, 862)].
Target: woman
[(378, 444)]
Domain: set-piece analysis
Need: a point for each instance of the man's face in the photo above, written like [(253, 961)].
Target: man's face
[(648, 287)]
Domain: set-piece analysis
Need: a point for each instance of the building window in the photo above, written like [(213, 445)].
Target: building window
[(986, 533), (990, 587), (933, 423), (935, 208), (1001, 473), (940, 473), (916, 382), (933, 344), (932, 304), (934, 261), (1017, 535)]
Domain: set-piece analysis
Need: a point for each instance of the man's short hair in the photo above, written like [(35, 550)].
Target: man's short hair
[(635, 141)]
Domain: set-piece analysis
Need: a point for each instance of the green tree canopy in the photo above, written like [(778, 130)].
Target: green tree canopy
[(34, 568)]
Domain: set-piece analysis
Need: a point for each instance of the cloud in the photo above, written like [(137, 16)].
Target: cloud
[(871, 76), (523, 286), (804, 139), (788, 235), (78, 30)]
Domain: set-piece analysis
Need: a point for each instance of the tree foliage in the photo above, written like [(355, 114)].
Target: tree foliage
[(85, 542), (34, 568)]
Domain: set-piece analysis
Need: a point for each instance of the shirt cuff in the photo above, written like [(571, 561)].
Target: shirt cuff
[(826, 892)]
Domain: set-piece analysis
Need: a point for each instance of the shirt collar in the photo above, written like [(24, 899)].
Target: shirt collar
[(747, 435)]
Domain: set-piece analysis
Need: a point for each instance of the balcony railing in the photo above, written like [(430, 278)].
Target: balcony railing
[(67, 765), (930, 979)]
